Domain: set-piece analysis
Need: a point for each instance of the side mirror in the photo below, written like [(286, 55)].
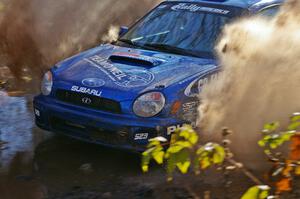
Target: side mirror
[(123, 30)]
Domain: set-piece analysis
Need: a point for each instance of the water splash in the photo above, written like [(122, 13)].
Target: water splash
[(260, 81), (36, 34), (112, 34)]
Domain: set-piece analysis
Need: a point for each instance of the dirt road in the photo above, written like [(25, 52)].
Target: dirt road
[(35, 164)]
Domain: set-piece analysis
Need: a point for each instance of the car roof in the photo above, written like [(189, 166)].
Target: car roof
[(246, 4)]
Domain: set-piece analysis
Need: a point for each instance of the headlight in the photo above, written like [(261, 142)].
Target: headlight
[(149, 104), (47, 83)]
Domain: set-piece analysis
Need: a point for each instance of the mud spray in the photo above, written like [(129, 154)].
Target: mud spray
[(36, 34), (261, 78)]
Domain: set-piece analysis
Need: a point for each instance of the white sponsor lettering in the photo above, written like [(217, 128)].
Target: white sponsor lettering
[(128, 79), (190, 112), (86, 90), (195, 87), (190, 106), (173, 129), (195, 8), (117, 73), (141, 136)]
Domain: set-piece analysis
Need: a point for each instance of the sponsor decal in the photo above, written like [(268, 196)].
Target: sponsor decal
[(195, 87), (190, 112), (93, 82), (190, 106), (141, 136), (86, 90), (196, 8), (173, 129), (128, 79)]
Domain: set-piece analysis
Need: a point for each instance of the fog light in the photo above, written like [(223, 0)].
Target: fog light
[(37, 112)]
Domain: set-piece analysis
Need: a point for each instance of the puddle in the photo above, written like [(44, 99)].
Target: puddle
[(16, 126), (35, 164)]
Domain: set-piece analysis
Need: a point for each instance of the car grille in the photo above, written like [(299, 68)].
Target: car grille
[(89, 132), (89, 101)]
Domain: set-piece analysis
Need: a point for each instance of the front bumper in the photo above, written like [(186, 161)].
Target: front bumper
[(113, 130)]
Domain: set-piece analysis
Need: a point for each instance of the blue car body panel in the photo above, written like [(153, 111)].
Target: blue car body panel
[(119, 75)]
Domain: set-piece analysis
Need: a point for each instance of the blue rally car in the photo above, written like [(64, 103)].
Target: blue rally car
[(146, 84)]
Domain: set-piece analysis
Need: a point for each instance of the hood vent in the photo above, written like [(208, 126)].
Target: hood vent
[(135, 60)]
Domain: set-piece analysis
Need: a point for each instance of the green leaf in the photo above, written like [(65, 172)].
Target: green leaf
[(183, 167), (185, 134), (263, 194), (171, 164), (220, 150), (209, 155), (257, 192), (262, 143), (145, 168), (273, 145), (295, 117), (184, 144), (189, 135), (155, 151), (194, 139), (294, 126), (153, 143), (252, 193), (145, 162), (174, 149), (267, 151), (158, 156), (219, 156), (148, 151), (276, 140), (200, 150), (286, 136), (183, 161), (271, 127), (205, 163)]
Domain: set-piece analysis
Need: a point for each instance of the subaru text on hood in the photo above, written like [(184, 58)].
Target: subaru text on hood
[(147, 83)]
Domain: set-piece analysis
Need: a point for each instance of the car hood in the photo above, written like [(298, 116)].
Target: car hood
[(124, 73)]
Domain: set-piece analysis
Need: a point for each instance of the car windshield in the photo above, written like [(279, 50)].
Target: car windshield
[(181, 28)]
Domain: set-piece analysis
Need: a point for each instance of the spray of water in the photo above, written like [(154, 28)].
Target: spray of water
[(36, 34), (112, 34), (260, 81)]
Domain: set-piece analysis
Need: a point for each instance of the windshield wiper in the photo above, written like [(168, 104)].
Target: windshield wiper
[(127, 41), (134, 44), (161, 47), (170, 49), (144, 46)]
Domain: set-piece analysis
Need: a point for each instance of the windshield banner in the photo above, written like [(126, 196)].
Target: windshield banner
[(197, 7)]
